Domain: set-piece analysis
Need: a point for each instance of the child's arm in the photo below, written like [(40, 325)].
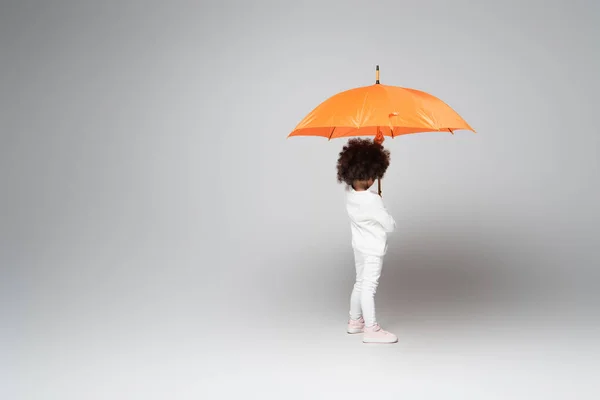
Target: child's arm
[(382, 216)]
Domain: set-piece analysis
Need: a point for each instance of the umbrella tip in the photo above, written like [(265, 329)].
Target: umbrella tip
[(377, 75)]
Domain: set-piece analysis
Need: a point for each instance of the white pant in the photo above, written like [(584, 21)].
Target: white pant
[(362, 300)]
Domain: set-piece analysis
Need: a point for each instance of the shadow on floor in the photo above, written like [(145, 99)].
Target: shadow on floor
[(431, 274)]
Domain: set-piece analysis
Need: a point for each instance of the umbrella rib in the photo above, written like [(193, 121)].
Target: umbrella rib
[(331, 134)]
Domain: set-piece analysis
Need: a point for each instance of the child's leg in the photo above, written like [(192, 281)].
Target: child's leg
[(355, 308), (370, 280)]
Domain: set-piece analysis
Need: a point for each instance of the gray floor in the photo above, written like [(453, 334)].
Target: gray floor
[(465, 332)]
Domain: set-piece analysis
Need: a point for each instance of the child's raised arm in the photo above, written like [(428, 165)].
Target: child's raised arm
[(382, 216)]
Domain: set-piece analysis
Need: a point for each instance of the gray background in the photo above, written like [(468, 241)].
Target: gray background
[(160, 238)]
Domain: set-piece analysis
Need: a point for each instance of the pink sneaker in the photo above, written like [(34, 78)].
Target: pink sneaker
[(375, 334), (356, 325)]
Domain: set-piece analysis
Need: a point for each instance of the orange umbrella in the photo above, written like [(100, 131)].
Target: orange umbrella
[(380, 110)]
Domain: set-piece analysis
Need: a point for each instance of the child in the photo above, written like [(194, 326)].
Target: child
[(360, 163)]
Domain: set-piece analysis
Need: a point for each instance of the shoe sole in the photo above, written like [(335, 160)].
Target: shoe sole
[(375, 341), (354, 331)]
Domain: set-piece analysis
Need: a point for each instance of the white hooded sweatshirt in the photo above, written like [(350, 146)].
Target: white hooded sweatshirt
[(370, 222)]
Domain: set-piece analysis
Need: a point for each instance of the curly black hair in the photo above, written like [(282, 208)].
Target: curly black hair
[(362, 159)]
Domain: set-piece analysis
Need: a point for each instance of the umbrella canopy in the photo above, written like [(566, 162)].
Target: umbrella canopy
[(380, 110)]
